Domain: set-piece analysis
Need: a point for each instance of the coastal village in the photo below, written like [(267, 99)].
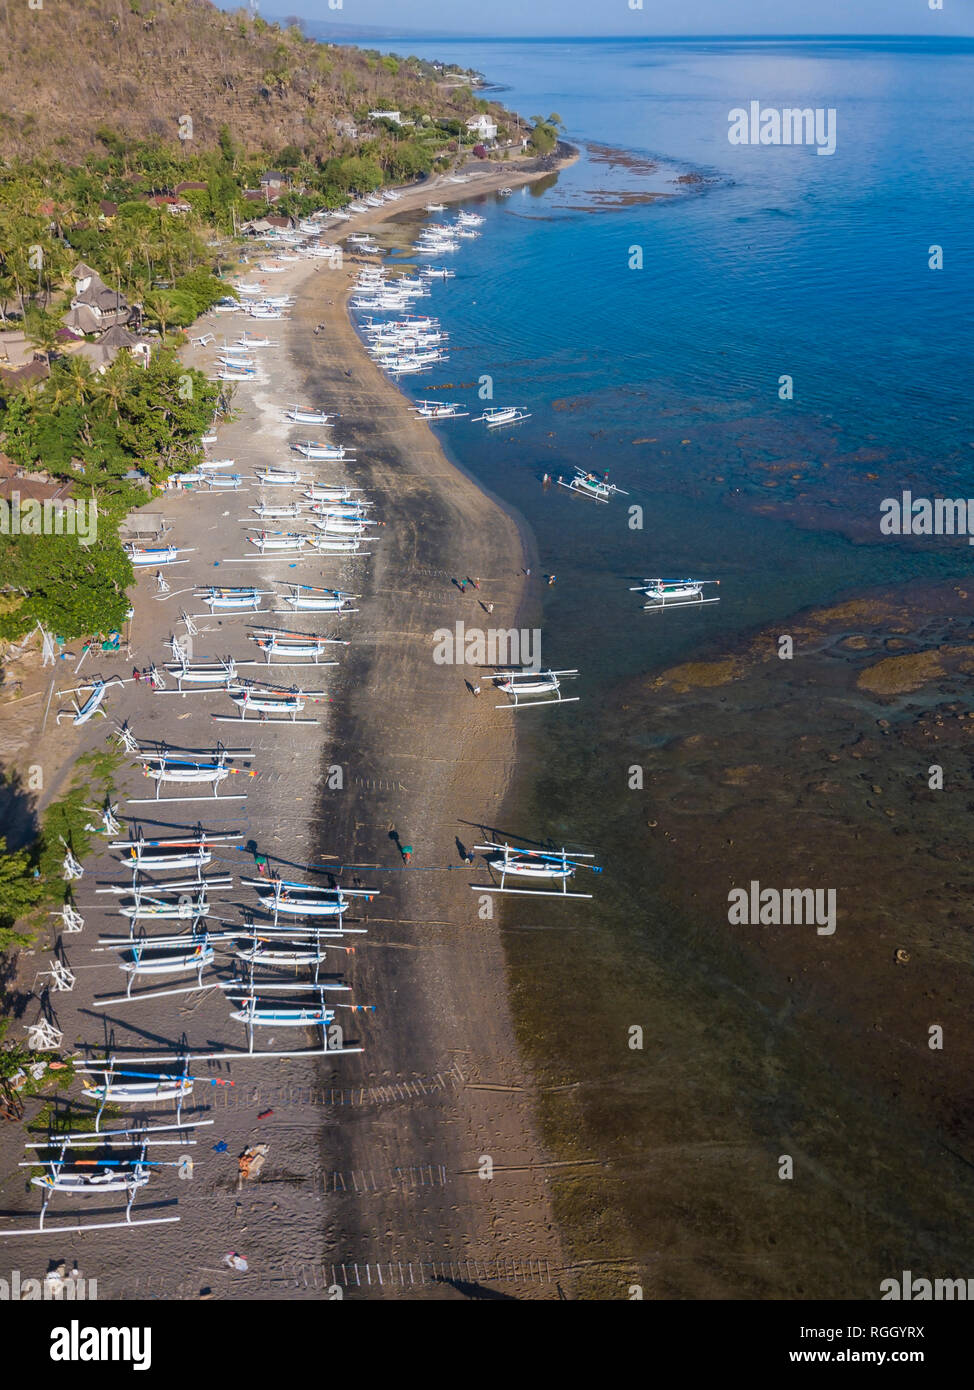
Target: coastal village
[(121, 392)]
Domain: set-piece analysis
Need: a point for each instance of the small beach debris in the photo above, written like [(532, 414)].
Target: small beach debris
[(251, 1161), (221, 1147), (901, 957)]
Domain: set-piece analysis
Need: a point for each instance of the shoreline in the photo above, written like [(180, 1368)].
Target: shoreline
[(439, 1014)]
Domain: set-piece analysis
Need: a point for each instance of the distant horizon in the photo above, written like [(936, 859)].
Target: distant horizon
[(556, 20)]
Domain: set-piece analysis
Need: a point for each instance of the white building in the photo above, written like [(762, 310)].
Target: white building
[(483, 127), (394, 116)]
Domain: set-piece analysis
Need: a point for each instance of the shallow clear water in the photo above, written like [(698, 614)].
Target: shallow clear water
[(781, 262)]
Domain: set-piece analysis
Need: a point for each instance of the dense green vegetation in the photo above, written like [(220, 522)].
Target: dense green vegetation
[(31, 879), (92, 428)]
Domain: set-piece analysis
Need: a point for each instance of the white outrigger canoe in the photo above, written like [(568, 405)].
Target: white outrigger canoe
[(141, 1092), (231, 481), (333, 492), (303, 415), (292, 644), (171, 962), (318, 600), (164, 767), (274, 1015), (502, 415), (529, 688), (342, 524), (192, 852), (279, 540), (674, 593), (241, 598), (264, 700), (440, 410), (588, 485), (280, 512), (537, 866), (209, 673), (279, 477), (313, 449), (164, 854), (156, 909), (306, 899), (336, 545), (154, 554)]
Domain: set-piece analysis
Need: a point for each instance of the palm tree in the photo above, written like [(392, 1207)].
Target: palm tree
[(41, 328), (8, 288), (159, 309), (77, 380)]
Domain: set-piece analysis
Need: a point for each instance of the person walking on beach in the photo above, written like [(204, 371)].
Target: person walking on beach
[(476, 690), (490, 608), (407, 853), (551, 579), (261, 862)]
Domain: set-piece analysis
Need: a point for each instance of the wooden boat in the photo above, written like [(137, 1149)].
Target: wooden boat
[(92, 705), (244, 598), (192, 852), (335, 545), (303, 415), (528, 688), (538, 866), (314, 599), (312, 449), (283, 510), (209, 673), (330, 492), (265, 700), (588, 485), (279, 540), (165, 767), (154, 554), (279, 477), (439, 410), (274, 643), (275, 1015), (502, 415), (147, 907), (140, 1092), (674, 593)]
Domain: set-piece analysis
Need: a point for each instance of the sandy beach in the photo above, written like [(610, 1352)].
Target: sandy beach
[(413, 1168)]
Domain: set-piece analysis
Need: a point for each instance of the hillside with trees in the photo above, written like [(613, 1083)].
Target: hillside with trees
[(75, 69)]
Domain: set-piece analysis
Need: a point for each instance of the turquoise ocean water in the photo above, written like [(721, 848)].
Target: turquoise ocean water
[(778, 261)]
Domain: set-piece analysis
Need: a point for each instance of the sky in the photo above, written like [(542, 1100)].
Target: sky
[(554, 18)]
